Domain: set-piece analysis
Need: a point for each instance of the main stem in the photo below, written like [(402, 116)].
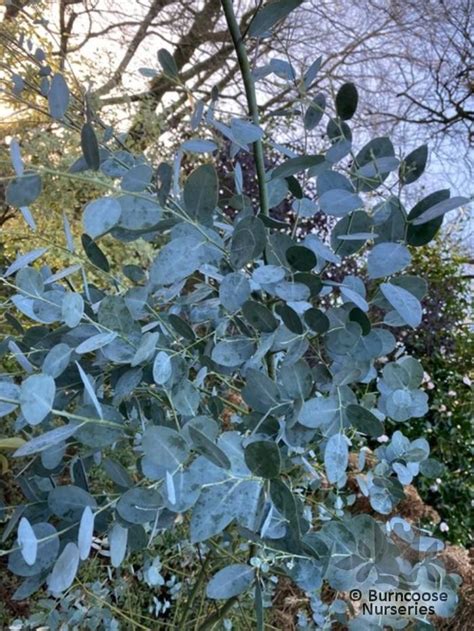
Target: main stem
[(249, 85)]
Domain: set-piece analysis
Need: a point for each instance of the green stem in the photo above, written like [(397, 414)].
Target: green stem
[(216, 617), (195, 590), (249, 85)]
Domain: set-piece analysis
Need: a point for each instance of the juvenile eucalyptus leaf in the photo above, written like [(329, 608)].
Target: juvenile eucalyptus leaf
[(98, 430), (69, 502), (373, 163), (58, 97), (219, 504), (139, 214), (199, 145), (165, 446), (86, 530), (346, 101), (364, 421), (359, 315), (404, 303), (101, 215), (178, 259), (311, 72), (64, 570), (139, 505), (413, 165), (259, 316), (245, 132), (336, 457), (290, 318), (184, 493), (378, 166), (89, 388), (292, 292), (234, 291), (94, 253), (267, 274), (90, 147), (231, 581), (350, 295), (277, 191), (181, 327), (356, 222), (162, 368), (168, 63), (248, 241), (23, 261), (263, 458), (286, 503), (46, 553), (208, 449), (340, 202), (27, 541), (9, 391), (170, 489), (297, 379), (386, 259), (27, 588), (201, 193), (316, 320), (118, 536), (23, 190), (343, 339), (297, 165), (301, 258), (270, 14), (423, 234), (117, 473), (137, 178), (233, 352), (440, 209), (261, 393), (36, 397), (315, 111), (95, 342), (45, 440), (15, 157)]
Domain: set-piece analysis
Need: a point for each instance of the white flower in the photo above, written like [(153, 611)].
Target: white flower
[(383, 439), (466, 381), (443, 526)]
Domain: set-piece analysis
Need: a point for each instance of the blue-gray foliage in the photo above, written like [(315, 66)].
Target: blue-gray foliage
[(230, 304)]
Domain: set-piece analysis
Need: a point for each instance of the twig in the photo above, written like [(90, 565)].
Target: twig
[(195, 590), (214, 619)]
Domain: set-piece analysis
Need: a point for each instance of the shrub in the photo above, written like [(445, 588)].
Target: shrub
[(445, 346), (215, 394)]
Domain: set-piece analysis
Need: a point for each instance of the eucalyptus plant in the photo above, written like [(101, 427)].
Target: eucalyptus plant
[(257, 399)]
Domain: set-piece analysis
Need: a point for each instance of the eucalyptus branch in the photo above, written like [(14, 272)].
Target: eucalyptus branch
[(197, 585), (249, 85), (216, 617)]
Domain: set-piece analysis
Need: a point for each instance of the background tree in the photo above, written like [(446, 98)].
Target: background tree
[(412, 60)]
